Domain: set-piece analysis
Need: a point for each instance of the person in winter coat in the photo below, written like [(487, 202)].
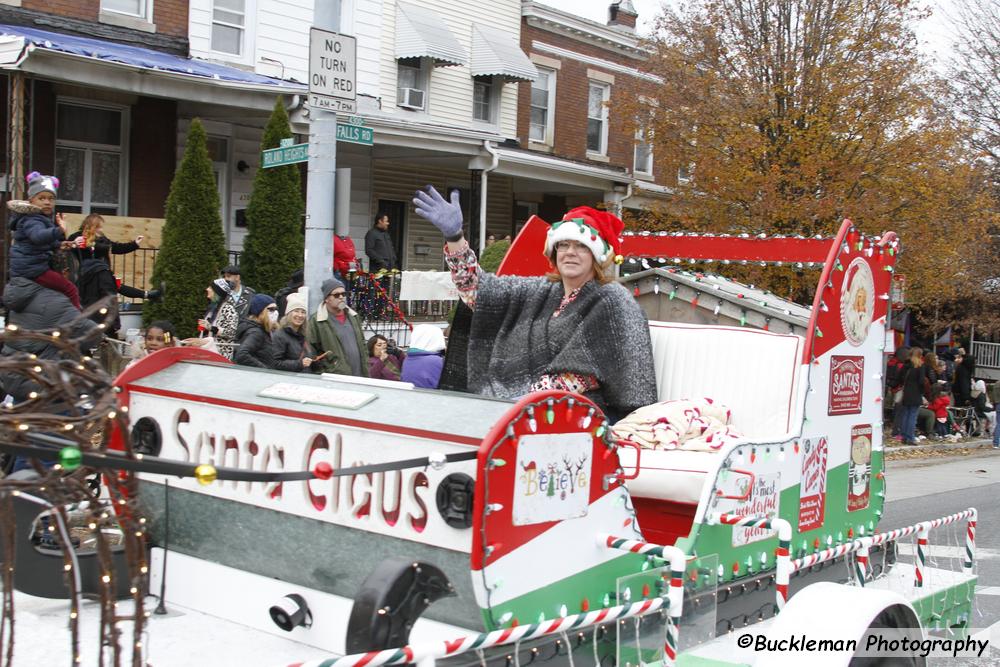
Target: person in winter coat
[(915, 389), (382, 363), (291, 351), (895, 368), (994, 393), (345, 258), (221, 319), (89, 242), (254, 334), (939, 406), (424, 362), (96, 281), (35, 308), (241, 294), (965, 370), (334, 332), (296, 281), (378, 246), (576, 329), (38, 232)]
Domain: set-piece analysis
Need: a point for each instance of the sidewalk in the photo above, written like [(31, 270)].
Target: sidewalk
[(891, 446)]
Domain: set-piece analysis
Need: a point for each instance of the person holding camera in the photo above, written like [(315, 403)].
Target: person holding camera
[(385, 361)]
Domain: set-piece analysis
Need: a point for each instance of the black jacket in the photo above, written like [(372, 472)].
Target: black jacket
[(964, 373), (380, 251), (33, 307), (915, 386), (289, 347), (95, 282), (102, 248), (255, 345)]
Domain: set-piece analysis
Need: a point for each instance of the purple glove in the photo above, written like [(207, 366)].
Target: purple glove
[(445, 216)]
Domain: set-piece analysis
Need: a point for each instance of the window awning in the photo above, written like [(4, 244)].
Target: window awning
[(18, 42), (496, 53), (421, 33)]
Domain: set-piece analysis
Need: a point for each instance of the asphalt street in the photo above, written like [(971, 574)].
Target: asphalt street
[(929, 488)]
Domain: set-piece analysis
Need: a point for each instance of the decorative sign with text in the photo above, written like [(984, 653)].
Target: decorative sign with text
[(763, 500), (812, 488), (859, 468), (553, 477), (846, 384)]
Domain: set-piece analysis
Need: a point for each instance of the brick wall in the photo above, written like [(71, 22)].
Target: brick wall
[(152, 156), (572, 90), (169, 16)]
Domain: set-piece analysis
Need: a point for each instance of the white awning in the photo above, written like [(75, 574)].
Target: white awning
[(497, 53), (421, 33)]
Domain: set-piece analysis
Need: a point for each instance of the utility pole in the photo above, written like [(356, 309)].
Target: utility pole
[(322, 178)]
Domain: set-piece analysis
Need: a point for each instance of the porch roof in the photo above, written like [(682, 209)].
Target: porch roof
[(85, 60)]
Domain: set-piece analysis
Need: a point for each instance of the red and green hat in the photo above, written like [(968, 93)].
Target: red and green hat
[(600, 231)]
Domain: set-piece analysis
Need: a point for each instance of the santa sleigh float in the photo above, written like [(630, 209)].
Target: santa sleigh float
[(446, 526)]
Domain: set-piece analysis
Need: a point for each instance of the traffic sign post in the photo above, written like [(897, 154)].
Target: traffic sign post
[(333, 66)]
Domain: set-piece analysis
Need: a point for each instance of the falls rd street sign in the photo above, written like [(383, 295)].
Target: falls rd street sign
[(355, 134), (292, 153), (332, 71)]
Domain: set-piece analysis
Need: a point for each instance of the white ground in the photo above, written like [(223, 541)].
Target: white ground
[(181, 638)]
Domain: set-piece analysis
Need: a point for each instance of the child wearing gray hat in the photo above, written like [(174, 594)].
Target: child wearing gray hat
[(38, 231)]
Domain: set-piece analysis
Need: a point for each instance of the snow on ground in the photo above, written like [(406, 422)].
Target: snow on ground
[(181, 638)]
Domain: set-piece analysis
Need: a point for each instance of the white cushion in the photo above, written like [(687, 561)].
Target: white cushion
[(669, 474), (752, 372)]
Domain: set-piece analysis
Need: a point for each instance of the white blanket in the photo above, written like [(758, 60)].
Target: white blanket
[(700, 425)]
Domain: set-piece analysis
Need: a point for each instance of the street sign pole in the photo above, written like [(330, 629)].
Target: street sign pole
[(318, 260)]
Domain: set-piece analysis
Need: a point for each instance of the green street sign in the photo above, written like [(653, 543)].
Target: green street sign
[(355, 134), (279, 157)]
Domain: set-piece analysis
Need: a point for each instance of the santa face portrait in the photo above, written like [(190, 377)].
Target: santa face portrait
[(857, 302)]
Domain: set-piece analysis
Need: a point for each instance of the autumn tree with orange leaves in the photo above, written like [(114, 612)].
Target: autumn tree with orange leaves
[(794, 114)]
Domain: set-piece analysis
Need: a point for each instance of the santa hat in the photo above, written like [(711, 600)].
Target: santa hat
[(600, 231)]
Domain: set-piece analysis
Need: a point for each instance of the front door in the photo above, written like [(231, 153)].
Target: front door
[(396, 210)]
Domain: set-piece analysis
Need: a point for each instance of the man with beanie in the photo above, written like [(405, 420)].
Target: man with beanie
[(335, 330), (241, 294)]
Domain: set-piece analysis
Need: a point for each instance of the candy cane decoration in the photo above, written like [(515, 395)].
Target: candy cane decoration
[(876, 539), (921, 559), (429, 651), (970, 542), (783, 564), (861, 562), (675, 593)]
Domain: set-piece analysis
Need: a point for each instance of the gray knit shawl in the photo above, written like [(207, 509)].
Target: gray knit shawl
[(515, 340)]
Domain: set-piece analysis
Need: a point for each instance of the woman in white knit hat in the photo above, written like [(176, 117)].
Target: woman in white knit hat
[(291, 350)]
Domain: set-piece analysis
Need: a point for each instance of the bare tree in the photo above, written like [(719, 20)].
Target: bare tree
[(976, 72)]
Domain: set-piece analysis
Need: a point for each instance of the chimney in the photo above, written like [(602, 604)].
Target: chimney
[(622, 15)]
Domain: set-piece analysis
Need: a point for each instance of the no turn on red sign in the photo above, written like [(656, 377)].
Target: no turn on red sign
[(332, 71)]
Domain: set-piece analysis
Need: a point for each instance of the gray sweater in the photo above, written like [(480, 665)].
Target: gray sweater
[(514, 340)]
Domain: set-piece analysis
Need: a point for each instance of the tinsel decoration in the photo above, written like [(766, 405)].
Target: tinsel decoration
[(73, 398)]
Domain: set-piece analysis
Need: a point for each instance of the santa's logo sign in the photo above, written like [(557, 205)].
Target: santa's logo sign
[(846, 384)]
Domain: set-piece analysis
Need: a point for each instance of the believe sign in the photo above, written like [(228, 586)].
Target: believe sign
[(332, 71)]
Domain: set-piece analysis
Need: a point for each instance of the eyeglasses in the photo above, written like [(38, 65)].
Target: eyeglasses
[(272, 309), (566, 246), (338, 295)]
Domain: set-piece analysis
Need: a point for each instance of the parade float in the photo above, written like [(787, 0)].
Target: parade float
[(392, 525)]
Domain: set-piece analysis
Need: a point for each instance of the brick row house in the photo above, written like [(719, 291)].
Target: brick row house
[(510, 102)]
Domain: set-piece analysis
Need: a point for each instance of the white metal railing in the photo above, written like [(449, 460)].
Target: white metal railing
[(987, 354)]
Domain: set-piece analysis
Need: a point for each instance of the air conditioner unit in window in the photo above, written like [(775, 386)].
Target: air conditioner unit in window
[(410, 98)]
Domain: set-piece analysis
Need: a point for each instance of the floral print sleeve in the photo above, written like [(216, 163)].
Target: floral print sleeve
[(573, 382), (465, 270)]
